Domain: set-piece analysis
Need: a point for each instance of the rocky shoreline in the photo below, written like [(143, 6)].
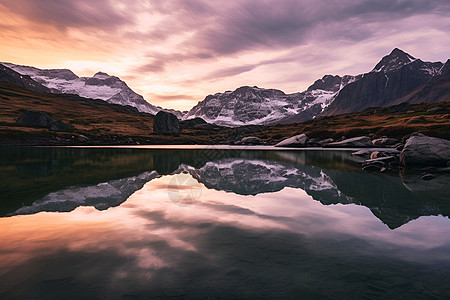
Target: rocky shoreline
[(429, 155)]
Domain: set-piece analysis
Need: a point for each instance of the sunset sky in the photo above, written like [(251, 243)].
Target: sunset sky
[(176, 52)]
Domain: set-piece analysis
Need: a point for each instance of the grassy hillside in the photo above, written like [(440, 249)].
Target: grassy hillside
[(105, 123)]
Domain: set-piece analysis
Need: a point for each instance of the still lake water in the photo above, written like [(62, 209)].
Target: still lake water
[(217, 224)]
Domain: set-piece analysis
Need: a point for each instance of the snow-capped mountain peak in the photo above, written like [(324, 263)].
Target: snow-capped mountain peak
[(101, 86), (258, 106), (393, 61)]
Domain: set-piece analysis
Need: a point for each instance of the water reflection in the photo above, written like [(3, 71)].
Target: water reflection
[(206, 224), (274, 245), (53, 179)]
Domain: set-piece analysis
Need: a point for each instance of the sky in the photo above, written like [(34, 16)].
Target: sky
[(176, 52)]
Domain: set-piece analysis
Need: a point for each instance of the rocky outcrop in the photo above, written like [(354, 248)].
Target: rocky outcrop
[(394, 77), (35, 118), (386, 142), (41, 119), (61, 126), (166, 123), (356, 142), (300, 140), (250, 140), (424, 150)]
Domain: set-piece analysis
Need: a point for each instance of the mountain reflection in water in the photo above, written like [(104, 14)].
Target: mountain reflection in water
[(60, 180)]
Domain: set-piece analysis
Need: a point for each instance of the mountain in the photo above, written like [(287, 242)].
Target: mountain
[(101, 86), (9, 75), (258, 106), (394, 77)]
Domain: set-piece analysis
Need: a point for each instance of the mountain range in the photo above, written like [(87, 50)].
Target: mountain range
[(398, 77), (63, 81)]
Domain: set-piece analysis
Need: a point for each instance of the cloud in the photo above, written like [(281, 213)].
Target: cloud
[(230, 72), (180, 97), (155, 66), (245, 25), (63, 14)]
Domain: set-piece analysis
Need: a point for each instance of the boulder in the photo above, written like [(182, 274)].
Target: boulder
[(61, 126), (385, 142), (193, 123), (300, 140), (166, 123), (425, 150), (326, 141), (314, 142), (356, 142), (250, 140), (35, 119)]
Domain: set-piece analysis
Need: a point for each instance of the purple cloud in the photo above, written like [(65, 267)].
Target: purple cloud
[(63, 14)]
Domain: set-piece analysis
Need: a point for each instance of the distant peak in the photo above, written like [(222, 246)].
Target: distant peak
[(101, 75), (327, 83), (394, 61)]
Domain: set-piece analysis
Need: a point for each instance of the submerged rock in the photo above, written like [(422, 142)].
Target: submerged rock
[(362, 153), (166, 123), (300, 140), (375, 167), (424, 150), (35, 118), (358, 142), (427, 177)]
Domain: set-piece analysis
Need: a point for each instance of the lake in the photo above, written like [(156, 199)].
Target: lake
[(217, 223)]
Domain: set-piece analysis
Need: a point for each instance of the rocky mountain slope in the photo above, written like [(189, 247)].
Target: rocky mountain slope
[(437, 89), (9, 75), (394, 77), (258, 106), (101, 86)]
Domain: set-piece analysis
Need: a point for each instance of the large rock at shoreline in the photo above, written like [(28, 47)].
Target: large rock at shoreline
[(35, 118), (356, 142), (166, 123), (425, 150), (300, 140)]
